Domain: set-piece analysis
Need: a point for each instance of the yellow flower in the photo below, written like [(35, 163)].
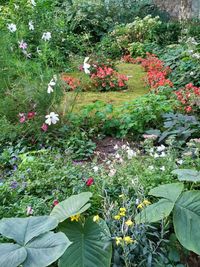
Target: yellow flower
[(128, 240), (75, 217), (96, 218), (140, 206), (121, 196), (122, 209), (122, 214), (118, 240), (117, 217), (146, 202), (129, 223)]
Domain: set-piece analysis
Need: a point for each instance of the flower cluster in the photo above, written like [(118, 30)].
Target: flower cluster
[(156, 71), (189, 97), (106, 78), (23, 117), (71, 83), (128, 59)]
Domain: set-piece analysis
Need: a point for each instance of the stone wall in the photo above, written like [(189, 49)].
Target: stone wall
[(181, 9)]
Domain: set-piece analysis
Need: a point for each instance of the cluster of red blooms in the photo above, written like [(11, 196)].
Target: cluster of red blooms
[(189, 97), (156, 71), (24, 117), (128, 59), (106, 78), (71, 82)]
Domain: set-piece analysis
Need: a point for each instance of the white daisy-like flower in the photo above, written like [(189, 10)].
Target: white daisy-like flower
[(51, 118), (31, 26), (46, 36), (86, 66), (151, 167), (131, 153), (95, 168), (161, 148), (33, 3), (51, 85), (12, 27)]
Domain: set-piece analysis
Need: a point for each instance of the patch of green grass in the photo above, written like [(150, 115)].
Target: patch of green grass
[(136, 87)]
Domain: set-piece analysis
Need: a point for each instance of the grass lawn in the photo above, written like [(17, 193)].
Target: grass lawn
[(136, 87)]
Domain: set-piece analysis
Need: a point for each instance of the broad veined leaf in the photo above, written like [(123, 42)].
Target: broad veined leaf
[(12, 255), (187, 175), (73, 205), (168, 191), (186, 218), (90, 245), (37, 246), (45, 249), (23, 230), (155, 212)]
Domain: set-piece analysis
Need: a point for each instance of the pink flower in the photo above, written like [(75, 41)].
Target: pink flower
[(23, 45), (90, 181), (22, 117), (44, 127), (29, 210), (55, 202)]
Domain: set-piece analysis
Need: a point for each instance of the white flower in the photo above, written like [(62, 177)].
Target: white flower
[(116, 147), (29, 210), (162, 168), (12, 27), (180, 161), (112, 172), (163, 154), (16, 7), (137, 201), (51, 84), (31, 26), (33, 3), (161, 148), (46, 36), (95, 168), (86, 66), (117, 156), (38, 51), (131, 153), (52, 118), (151, 167)]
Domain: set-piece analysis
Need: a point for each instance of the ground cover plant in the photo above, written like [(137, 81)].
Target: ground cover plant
[(100, 135)]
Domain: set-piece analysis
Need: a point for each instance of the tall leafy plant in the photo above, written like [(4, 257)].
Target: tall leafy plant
[(185, 207)]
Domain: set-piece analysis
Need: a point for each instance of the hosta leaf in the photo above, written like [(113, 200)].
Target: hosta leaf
[(187, 175), (155, 212), (45, 249), (23, 230), (90, 244), (73, 205), (186, 219), (11, 255), (168, 191)]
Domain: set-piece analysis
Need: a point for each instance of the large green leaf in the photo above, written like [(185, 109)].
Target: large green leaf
[(90, 245), (188, 175), (23, 230), (186, 219), (37, 246), (155, 212), (73, 205), (168, 191), (12, 255), (45, 249)]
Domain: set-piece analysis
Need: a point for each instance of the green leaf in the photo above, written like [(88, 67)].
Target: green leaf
[(186, 219), (45, 249), (168, 191), (155, 212), (37, 246), (73, 205), (90, 244), (187, 175), (12, 255), (23, 230)]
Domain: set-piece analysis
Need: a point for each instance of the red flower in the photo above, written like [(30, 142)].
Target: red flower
[(90, 181), (55, 202), (31, 115)]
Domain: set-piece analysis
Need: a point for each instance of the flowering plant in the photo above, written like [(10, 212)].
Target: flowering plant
[(70, 83), (105, 78), (189, 98)]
